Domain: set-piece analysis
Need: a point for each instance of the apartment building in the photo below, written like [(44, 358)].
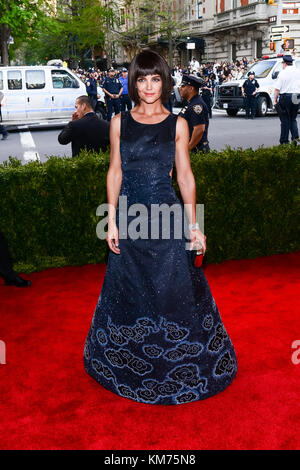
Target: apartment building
[(236, 28), (209, 29)]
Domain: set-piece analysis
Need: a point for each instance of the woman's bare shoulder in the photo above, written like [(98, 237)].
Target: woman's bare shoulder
[(115, 123), (181, 121), (181, 126)]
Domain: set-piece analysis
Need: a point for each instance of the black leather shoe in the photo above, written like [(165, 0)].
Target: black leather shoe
[(4, 137), (17, 282)]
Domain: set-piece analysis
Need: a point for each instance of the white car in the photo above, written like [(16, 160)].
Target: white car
[(266, 72)]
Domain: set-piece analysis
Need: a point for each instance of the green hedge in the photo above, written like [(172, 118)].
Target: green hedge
[(48, 210)]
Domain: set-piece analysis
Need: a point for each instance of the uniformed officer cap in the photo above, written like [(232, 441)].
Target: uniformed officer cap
[(288, 59), (191, 80), (251, 73), (124, 69)]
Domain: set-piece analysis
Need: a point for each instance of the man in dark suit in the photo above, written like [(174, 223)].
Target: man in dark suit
[(85, 130), (6, 267)]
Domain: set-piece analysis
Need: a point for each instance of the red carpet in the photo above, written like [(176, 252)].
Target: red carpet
[(49, 402)]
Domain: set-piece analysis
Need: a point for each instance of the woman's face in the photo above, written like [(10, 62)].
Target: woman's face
[(149, 88)]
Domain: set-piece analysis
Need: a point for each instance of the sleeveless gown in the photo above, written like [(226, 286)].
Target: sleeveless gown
[(156, 336)]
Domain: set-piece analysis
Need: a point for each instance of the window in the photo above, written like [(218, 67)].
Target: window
[(62, 79), (278, 67), (1, 80), (233, 52), (14, 80), (259, 48), (35, 79), (200, 10), (188, 12), (261, 69)]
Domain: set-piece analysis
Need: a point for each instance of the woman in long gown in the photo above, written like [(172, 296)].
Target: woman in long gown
[(156, 336)]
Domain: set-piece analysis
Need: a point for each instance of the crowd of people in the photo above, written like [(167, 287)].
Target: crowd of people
[(108, 93), (219, 71), (99, 83)]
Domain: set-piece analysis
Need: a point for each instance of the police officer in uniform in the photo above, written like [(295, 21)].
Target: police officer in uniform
[(287, 89), (91, 89), (112, 87), (206, 93), (195, 113), (125, 98), (3, 129), (249, 89)]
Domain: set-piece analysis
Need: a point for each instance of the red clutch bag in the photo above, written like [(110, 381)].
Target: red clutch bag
[(198, 259)]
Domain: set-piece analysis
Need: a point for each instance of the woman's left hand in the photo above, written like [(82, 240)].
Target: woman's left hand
[(198, 240)]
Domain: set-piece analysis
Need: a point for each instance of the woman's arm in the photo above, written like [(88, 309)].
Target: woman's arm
[(114, 181), (186, 180)]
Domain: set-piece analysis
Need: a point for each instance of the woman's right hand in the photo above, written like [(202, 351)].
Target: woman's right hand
[(113, 237), (198, 240)]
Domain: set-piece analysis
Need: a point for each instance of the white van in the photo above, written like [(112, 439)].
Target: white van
[(266, 72), (38, 92)]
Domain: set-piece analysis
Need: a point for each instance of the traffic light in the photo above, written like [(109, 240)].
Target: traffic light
[(270, 2)]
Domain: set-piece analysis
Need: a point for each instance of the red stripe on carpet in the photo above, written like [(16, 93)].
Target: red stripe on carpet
[(49, 402)]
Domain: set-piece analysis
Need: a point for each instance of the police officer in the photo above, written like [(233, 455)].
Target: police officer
[(207, 93), (249, 89), (91, 89), (169, 104), (112, 87), (195, 112), (3, 129), (287, 88), (125, 99)]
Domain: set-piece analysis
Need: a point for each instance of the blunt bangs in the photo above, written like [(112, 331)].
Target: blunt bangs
[(149, 63)]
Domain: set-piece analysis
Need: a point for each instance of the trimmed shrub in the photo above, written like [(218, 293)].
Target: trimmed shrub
[(48, 210)]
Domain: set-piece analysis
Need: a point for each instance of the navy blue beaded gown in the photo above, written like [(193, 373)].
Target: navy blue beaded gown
[(156, 336)]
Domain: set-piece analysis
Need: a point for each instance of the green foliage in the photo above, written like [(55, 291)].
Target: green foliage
[(48, 210), (45, 46), (23, 15), (89, 22), (22, 19), (77, 26)]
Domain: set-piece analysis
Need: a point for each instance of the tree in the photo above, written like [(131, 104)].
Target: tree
[(80, 25), (141, 19), (89, 23), (171, 26), (45, 46), (151, 22), (18, 21)]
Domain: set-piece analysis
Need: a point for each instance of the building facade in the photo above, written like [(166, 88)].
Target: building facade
[(233, 29), (222, 30)]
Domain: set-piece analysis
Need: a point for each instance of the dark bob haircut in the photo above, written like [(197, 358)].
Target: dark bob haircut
[(149, 63)]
